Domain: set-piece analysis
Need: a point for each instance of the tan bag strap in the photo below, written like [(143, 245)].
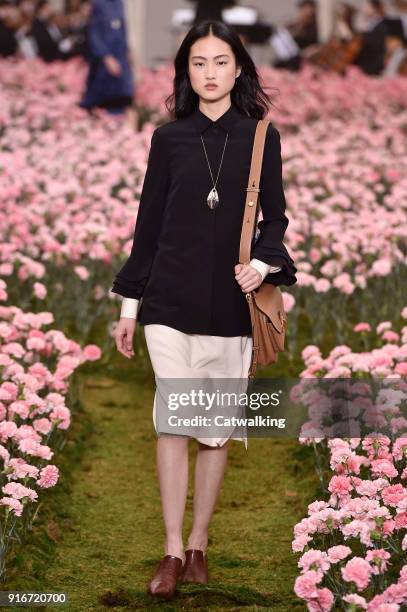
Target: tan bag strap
[(253, 190)]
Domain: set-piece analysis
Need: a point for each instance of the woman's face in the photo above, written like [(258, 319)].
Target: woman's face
[(211, 60)]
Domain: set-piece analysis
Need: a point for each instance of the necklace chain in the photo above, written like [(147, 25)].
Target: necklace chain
[(220, 165)]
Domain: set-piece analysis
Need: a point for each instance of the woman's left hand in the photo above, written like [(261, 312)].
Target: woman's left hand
[(248, 277)]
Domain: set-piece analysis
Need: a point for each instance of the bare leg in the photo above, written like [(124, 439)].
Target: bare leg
[(172, 465), (132, 117), (209, 471)]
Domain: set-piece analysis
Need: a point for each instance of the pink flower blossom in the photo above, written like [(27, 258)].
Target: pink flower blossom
[(362, 327), (357, 570), (338, 553), (13, 504), (18, 491), (48, 476), (92, 352), (306, 585)]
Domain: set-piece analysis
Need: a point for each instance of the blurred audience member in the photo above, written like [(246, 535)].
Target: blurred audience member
[(305, 29), (9, 23), (210, 9), (344, 44), (344, 22), (400, 9), (286, 50), (371, 58), (396, 42), (47, 32), (78, 27)]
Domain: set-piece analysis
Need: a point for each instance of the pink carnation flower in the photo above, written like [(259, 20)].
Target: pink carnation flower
[(338, 553), (92, 352), (394, 494), (48, 476), (357, 570), (306, 585), (14, 505), (314, 560), (19, 491)]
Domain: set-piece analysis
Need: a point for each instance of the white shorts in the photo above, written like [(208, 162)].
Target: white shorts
[(175, 354)]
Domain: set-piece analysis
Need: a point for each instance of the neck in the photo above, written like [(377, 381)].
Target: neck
[(215, 109)]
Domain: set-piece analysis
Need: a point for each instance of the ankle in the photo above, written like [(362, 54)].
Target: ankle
[(176, 548), (198, 541)]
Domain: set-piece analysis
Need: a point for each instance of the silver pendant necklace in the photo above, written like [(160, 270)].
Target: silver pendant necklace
[(213, 196)]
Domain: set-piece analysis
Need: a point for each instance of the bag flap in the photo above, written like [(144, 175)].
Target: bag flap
[(269, 300)]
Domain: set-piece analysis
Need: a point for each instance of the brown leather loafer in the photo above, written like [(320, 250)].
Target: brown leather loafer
[(164, 581), (195, 567)]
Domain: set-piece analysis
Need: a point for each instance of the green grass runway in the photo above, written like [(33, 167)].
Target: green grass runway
[(99, 534)]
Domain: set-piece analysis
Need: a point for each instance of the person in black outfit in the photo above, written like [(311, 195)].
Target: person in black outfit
[(184, 262), (9, 22), (371, 58), (305, 29), (210, 9), (177, 147), (46, 33)]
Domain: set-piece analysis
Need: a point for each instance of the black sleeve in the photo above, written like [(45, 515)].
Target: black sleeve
[(132, 278), (269, 246)]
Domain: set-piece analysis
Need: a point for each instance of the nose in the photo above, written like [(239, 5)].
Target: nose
[(209, 72)]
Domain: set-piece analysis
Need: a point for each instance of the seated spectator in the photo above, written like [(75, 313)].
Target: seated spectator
[(396, 41), (344, 43), (286, 50), (47, 34), (210, 9), (9, 23), (78, 27), (26, 43), (344, 24), (371, 58), (305, 29), (400, 10)]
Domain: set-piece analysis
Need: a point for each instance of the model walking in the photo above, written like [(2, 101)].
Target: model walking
[(184, 263)]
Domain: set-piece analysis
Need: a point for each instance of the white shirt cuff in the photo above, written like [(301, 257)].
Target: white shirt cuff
[(263, 268), (130, 307)]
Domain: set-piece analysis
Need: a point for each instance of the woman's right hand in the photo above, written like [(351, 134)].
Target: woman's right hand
[(112, 65), (124, 334)]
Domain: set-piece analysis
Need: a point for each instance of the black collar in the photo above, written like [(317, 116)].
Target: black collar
[(226, 121)]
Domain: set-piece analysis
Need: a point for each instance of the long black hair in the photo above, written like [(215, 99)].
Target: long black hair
[(248, 94)]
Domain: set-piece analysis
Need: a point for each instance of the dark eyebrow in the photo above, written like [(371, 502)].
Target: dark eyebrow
[(216, 56)]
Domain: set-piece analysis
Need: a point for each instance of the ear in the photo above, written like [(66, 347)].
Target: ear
[(239, 70)]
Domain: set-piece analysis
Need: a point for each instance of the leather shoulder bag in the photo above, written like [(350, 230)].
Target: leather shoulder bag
[(268, 317)]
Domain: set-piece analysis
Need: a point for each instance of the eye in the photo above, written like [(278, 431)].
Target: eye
[(222, 62), (198, 64)]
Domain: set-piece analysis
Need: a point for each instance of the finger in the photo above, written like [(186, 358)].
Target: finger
[(252, 277), (129, 348), (250, 286), (243, 272), (126, 345), (118, 340)]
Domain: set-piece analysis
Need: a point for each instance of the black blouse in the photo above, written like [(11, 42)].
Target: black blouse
[(184, 253)]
